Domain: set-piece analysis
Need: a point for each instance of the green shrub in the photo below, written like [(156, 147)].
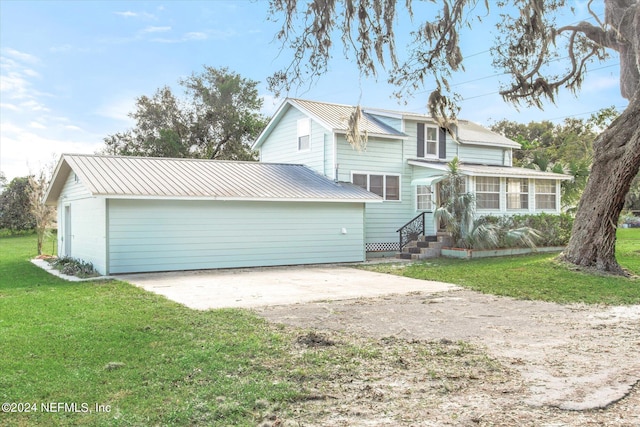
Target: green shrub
[(554, 230), (74, 267)]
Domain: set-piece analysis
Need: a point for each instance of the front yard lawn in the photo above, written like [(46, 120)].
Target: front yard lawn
[(535, 277)]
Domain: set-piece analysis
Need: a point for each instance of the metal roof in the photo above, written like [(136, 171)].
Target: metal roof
[(335, 118), (488, 170), (146, 177)]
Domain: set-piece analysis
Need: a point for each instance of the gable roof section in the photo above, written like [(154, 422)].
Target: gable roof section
[(334, 118), (164, 178)]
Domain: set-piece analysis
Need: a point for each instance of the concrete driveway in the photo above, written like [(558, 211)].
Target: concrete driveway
[(255, 287)]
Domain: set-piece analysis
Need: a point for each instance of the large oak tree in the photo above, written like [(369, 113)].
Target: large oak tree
[(528, 41), (218, 118)]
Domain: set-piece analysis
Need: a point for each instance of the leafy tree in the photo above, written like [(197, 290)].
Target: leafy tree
[(218, 119), (528, 39), (15, 214), (43, 214)]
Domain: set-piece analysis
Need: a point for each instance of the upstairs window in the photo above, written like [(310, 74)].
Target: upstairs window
[(488, 193), (545, 194), (428, 141), (517, 193), (431, 142), (385, 186), (304, 134)]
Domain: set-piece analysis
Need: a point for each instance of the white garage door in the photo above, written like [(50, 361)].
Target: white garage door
[(161, 235)]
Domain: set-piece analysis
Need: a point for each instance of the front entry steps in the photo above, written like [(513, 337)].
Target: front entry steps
[(425, 247)]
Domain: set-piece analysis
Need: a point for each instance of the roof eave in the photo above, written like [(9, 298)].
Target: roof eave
[(243, 199)]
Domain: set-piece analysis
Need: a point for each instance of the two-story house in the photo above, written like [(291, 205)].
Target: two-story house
[(405, 157)]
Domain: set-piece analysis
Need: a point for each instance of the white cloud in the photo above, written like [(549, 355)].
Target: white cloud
[(20, 56), (156, 29), (10, 107), (25, 150), (61, 48), (37, 125), (34, 105), (131, 14), (73, 128), (127, 14), (196, 35)]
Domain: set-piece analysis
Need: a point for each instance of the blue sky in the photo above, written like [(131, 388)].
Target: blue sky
[(71, 70)]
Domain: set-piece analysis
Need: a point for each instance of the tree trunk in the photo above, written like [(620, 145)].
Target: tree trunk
[(615, 164)]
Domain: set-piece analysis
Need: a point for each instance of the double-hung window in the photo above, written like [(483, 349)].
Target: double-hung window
[(385, 186), (545, 194), (427, 140), (517, 193), (304, 134), (488, 192), (424, 201)]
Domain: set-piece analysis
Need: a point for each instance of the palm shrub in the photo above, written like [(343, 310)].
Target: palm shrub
[(457, 215)]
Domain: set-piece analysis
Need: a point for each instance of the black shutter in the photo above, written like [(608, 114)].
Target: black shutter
[(420, 140), (442, 141)]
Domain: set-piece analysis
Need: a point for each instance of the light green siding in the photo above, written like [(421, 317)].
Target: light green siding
[(88, 238), (281, 146), (381, 156), (482, 155), (160, 235)]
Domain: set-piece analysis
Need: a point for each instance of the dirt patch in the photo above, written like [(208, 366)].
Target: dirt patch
[(554, 364)]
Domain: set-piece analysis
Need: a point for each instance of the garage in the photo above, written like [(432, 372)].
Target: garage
[(136, 214)]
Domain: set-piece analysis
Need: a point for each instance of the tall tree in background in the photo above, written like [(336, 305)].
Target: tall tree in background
[(43, 214), (15, 214), (219, 118), (528, 40)]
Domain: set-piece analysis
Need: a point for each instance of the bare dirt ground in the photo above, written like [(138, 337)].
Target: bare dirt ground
[(528, 363)]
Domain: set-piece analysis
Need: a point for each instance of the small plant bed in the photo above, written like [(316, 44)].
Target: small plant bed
[(73, 267)]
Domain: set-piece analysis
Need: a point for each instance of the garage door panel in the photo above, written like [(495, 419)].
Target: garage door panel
[(182, 235)]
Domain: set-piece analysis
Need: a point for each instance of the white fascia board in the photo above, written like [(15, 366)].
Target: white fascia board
[(242, 199), (488, 144), (309, 114)]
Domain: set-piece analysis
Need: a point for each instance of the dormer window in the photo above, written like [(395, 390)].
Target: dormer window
[(304, 134)]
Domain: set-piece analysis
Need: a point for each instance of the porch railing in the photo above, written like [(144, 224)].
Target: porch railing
[(411, 230)]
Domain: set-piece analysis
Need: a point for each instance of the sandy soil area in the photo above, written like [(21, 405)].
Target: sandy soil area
[(560, 364)]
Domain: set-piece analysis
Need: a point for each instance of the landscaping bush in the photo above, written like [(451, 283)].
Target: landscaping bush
[(74, 267), (554, 230)]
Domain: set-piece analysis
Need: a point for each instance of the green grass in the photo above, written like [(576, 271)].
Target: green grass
[(153, 361), (535, 277)]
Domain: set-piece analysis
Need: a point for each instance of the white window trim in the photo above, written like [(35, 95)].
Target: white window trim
[(507, 193), (437, 141), (303, 129), (501, 192), (384, 183), (557, 194), (432, 199)]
